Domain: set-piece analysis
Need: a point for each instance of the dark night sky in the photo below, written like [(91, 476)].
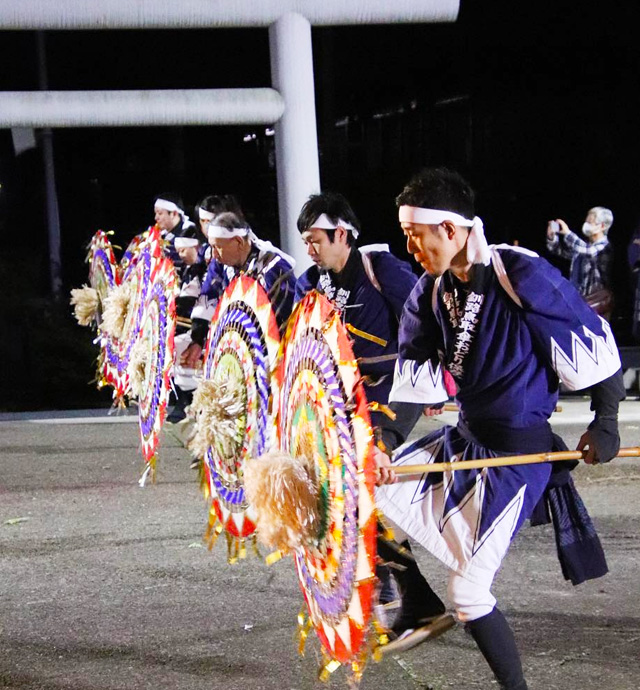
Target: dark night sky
[(546, 99)]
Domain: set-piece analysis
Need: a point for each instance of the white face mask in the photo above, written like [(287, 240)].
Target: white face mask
[(589, 229)]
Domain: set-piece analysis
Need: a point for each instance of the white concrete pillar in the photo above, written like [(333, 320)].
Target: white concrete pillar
[(296, 137)]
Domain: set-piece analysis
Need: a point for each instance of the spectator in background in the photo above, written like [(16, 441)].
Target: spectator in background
[(590, 260)]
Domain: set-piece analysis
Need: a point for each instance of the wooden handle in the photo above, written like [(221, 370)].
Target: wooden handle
[(504, 461)]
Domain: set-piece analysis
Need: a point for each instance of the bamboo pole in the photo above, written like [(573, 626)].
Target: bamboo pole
[(453, 407), (504, 461)]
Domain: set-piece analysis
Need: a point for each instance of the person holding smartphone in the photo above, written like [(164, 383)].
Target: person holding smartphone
[(591, 258)]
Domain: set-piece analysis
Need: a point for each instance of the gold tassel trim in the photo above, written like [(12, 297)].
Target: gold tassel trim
[(327, 668), (149, 471), (232, 549), (236, 546), (152, 463), (236, 549), (254, 547), (274, 557), (214, 530), (387, 533), (304, 628), (379, 407), (204, 484), (366, 336)]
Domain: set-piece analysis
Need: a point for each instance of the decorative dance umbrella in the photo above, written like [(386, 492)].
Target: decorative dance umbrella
[(322, 416), (89, 301), (232, 406), (150, 359)]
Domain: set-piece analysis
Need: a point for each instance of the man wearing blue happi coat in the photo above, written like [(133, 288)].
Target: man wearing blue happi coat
[(369, 286), (509, 328)]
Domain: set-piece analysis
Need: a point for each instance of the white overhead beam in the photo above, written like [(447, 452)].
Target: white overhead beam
[(261, 106), (291, 64), (194, 14)]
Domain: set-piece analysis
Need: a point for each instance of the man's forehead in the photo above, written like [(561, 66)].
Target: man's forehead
[(314, 232), (408, 226)]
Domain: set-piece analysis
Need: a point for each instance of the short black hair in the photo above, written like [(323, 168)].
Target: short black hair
[(439, 188), (190, 231), (222, 203), (173, 198), (335, 206)]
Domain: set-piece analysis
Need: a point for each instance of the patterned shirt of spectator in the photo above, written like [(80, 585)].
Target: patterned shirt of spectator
[(590, 262)]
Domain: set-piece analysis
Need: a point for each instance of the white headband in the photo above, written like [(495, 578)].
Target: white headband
[(168, 206), (215, 231), (431, 216), (477, 248), (205, 215), (325, 223), (181, 242), (218, 232)]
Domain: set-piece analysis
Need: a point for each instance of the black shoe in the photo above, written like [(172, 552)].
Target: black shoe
[(388, 596), (182, 431), (176, 415), (388, 592), (408, 619), (419, 602), (412, 637)]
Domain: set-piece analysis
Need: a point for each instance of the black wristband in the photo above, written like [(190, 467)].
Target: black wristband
[(394, 432), (606, 396), (605, 438)]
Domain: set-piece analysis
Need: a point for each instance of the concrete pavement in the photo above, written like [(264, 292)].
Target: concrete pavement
[(104, 585)]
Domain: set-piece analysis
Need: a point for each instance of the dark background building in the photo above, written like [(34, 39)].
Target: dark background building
[(537, 104)]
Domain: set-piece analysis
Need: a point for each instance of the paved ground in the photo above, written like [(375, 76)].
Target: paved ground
[(106, 586)]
